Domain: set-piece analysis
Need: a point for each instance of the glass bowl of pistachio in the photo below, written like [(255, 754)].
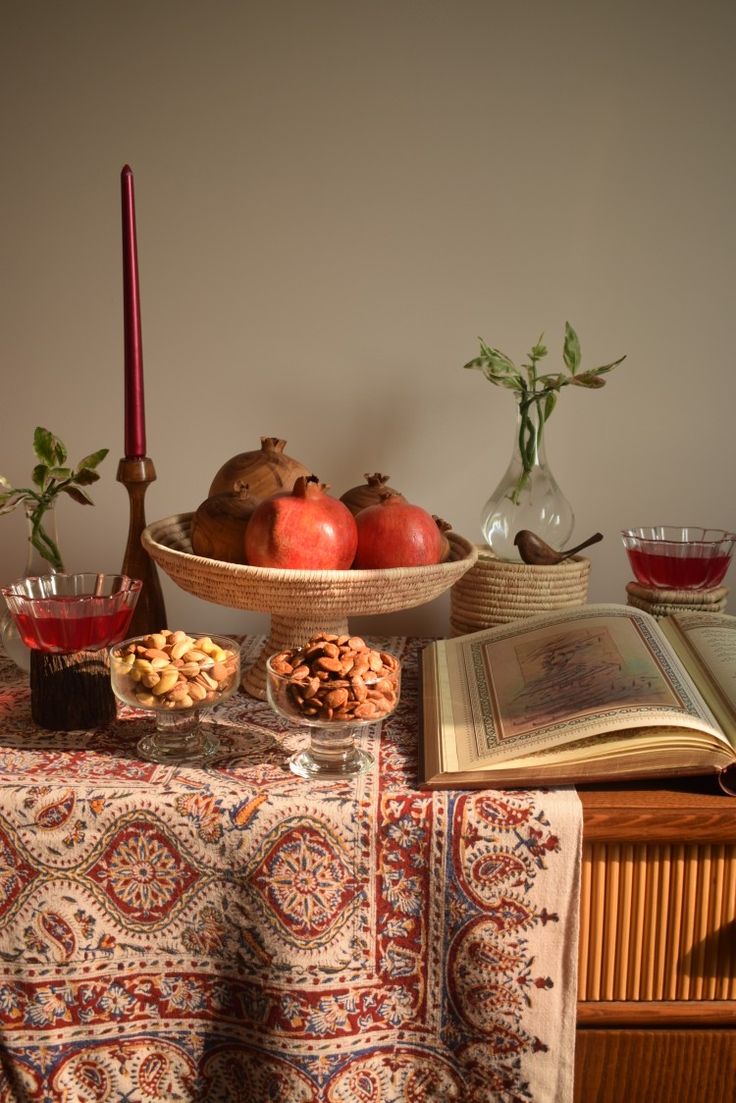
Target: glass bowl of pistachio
[(178, 676)]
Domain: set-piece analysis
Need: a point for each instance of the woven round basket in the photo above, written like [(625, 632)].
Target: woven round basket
[(300, 602), (494, 591)]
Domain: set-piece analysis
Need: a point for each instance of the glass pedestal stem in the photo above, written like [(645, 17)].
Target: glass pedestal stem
[(331, 753), (178, 739)]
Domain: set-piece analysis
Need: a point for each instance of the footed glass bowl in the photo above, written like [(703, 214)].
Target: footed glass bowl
[(332, 705), (178, 677), (679, 557), (64, 613)]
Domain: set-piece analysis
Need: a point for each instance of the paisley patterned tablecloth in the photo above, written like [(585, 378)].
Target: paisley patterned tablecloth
[(238, 934)]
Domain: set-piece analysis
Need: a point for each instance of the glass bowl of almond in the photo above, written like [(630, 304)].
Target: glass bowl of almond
[(333, 686)]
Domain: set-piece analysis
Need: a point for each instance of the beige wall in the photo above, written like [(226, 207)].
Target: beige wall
[(334, 200)]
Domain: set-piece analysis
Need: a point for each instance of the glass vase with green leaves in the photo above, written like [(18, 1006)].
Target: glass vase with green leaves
[(528, 496), (51, 477)]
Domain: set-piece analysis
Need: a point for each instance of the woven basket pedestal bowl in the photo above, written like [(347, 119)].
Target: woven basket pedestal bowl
[(496, 592), (301, 603)]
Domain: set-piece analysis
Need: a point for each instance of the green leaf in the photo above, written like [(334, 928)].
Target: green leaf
[(86, 477), (94, 459), (40, 474), (497, 368), (499, 360), (60, 473), (549, 403), (608, 367), (43, 445), (571, 349), (77, 495), (59, 452), (9, 501), (539, 351), (503, 379)]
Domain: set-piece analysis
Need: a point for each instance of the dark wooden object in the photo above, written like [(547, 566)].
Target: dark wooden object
[(71, 692), (659, 1051), (150, 612), (536, 552)]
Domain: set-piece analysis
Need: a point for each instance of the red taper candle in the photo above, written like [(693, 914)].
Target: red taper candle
[(135, 421)]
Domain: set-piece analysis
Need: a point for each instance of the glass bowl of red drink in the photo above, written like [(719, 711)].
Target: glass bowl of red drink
[(64, 613), (679, 557)]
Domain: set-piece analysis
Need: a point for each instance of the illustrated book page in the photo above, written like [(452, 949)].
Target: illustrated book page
[(591, 693)]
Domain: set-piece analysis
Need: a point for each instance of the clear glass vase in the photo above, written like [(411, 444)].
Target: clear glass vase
[(12, 644), (528, 496)]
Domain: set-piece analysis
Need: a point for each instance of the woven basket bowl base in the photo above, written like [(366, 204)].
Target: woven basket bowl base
[(300, 602)]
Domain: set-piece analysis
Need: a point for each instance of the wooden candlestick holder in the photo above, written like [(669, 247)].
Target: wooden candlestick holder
[(150, 613)]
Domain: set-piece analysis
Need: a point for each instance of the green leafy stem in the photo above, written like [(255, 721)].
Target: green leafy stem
[(537, 394), (51, 477)]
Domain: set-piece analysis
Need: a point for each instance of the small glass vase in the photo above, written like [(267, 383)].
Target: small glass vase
[(12, 644), (528, 496)]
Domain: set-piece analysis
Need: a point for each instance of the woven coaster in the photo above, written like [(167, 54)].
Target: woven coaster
[(698, 598), (667, 609)]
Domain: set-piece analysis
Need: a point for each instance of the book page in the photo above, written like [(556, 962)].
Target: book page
[(707, 641), (549, 681)]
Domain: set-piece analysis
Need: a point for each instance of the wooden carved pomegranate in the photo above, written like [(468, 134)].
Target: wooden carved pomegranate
[(219, 524), (267, 470), (368, 493)]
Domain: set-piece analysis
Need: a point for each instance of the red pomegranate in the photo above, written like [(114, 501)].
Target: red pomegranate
[(394, 533), (444, 527), (304, 530)]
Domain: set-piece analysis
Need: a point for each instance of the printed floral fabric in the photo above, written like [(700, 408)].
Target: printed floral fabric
[(237, 934)]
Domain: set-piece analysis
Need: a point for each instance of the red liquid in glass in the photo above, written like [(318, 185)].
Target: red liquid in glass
[(66, 632), (674, 572)]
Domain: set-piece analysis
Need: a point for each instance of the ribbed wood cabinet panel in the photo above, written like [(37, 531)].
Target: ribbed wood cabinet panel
[(657, 922), (655, 1066)]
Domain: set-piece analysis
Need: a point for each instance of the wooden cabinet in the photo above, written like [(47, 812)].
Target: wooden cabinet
[(657, 959), (655, 1066)]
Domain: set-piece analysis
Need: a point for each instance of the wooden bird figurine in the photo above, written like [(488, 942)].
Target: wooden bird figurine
[(534, 550)]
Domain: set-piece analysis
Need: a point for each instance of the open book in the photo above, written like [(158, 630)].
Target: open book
[(598, 693)]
